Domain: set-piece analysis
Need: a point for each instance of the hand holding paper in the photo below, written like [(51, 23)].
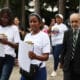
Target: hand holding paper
[(23, 56), (32, 55)]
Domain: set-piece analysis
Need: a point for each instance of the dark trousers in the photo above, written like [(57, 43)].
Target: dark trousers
[(6, 66), (56, 53), (70, 74), (40, 75)]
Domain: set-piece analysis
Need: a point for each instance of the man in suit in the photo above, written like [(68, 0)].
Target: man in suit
[(70, 57)]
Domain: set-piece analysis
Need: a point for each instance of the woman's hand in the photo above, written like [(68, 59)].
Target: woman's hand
[(4, 41), (32, 55), (43, 57)]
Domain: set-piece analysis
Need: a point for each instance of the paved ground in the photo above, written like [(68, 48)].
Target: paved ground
[(16, 76)]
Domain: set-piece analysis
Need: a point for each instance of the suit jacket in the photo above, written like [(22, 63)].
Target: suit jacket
[(67, 52)]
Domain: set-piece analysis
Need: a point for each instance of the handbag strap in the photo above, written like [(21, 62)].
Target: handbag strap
[(40, 64)]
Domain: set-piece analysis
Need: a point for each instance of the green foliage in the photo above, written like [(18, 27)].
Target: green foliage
[(15, 5), (1, 3)]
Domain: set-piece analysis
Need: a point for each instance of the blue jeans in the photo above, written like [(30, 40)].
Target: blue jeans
[(56, 53), (40, 75), (6, 67)]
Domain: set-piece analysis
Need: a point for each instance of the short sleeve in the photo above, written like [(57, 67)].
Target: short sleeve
[(16, 36), (63, 28), (46, 44)]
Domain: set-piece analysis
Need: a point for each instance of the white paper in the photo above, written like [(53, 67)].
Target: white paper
[(23, 58), (2, 53)]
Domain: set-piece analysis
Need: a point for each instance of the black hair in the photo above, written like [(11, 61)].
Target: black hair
[(37, 15), (9, 14)]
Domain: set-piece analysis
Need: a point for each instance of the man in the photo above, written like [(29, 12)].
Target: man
[(57, 33), (70, 57)]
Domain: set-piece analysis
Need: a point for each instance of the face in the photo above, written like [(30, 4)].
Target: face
[(58, 20), (34, 23), (4, 19), (52, 21), (16, 21), (75, 22)]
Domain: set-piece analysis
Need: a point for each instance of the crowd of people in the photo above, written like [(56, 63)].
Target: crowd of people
[(56, 39)]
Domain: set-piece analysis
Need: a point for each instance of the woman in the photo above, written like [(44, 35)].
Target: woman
[(16, 21), (41, 46), (9, 42), (57, 33), (16, 24)]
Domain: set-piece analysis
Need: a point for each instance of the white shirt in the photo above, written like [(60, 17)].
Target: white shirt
[(16, 27), (12, 36), (41, 45), (58, 33)]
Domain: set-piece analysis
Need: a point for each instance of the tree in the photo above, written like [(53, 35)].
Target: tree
[(37, 6), (1, 3), (61, 6), (6, 3), (23, 13)]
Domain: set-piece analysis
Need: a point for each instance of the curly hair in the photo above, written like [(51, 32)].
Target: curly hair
[(9, 14)]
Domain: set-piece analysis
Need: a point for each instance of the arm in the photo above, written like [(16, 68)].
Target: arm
[(45, 50), (14, 45), (6, 42), (43, 57)]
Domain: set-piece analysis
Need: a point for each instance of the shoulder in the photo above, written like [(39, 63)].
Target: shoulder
[(14, 27), (64, 25), (44, 37), (55, 25), (28, 35), (43, 34)]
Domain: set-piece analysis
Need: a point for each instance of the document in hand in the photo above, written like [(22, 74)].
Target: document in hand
[(23, 58)]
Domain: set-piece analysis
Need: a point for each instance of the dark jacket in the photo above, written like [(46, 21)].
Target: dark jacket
[(66, 55)]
